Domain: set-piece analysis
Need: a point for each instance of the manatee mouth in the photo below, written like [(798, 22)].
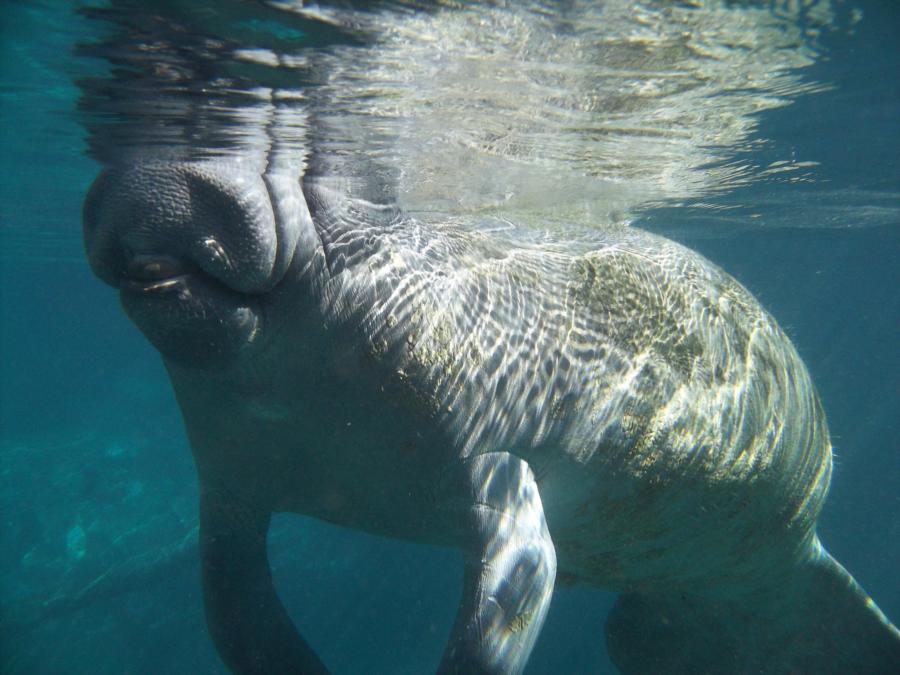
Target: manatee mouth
[(154, 274), (190, 316)]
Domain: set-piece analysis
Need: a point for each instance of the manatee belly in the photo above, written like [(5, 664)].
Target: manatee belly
[(338, 448)]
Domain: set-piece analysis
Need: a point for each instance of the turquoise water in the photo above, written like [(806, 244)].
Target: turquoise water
[(98, 490)]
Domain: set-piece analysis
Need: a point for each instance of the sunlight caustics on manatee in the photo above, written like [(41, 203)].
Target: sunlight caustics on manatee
[(386, 254)]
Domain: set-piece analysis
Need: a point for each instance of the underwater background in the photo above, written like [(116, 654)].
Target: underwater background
[(98, 563)]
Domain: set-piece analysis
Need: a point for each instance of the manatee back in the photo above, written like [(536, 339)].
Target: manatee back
[(659, 405)]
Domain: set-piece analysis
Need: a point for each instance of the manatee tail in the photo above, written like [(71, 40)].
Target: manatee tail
[(820, 623)]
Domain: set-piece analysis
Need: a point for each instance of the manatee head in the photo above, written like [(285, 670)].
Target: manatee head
[(193, 248)]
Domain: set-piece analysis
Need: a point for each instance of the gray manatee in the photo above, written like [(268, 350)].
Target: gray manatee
[(346, 250), (611, 410)]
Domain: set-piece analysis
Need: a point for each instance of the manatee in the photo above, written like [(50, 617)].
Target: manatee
[(612, 410), (381, 253)]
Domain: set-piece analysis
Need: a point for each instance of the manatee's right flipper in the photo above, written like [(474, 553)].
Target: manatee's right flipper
[(251, 629), (510, 568), (820, 623)]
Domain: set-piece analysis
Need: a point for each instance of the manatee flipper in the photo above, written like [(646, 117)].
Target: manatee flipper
[(820, 622), (509, 573), (251, 629)]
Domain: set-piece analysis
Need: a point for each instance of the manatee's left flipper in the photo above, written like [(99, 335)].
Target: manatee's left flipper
[(251, 629), (510, 569)]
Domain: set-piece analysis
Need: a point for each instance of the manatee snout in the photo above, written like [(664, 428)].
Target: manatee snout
[(213, 218), (192, 247)]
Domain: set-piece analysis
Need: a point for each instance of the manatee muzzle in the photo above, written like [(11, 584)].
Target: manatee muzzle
[(192, 249)]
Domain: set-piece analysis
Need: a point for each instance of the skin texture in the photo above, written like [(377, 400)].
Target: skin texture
[(614, 409)]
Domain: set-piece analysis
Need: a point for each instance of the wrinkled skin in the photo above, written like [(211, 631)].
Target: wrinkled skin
[(619, 412)]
